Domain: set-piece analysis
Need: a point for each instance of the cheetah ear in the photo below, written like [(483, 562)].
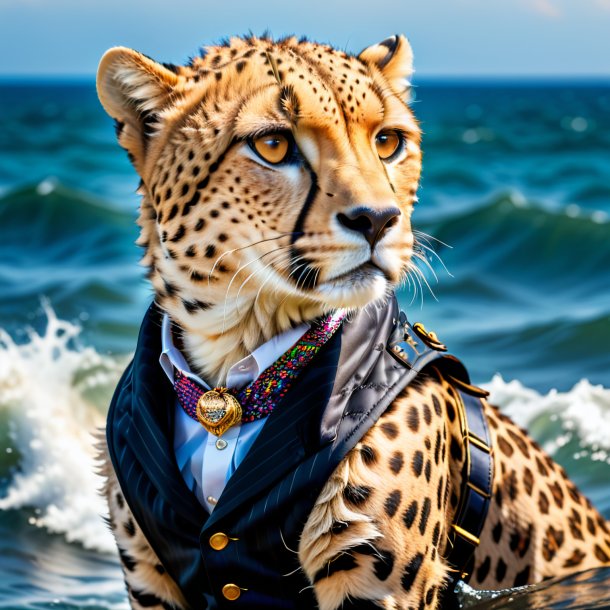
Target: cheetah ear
[(394, 59), (134, 89)]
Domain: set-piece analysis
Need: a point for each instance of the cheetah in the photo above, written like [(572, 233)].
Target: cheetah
[(278, 179)]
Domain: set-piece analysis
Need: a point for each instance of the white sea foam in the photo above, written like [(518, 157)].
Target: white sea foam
[(49, 387), (54, 395), (583, 411)]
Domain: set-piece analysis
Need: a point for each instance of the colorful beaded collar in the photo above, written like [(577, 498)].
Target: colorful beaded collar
[(219, 409)]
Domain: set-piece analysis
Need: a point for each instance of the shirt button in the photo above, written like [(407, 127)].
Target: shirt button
[(219, 541), (231, 592), (212, 500), (221, 444)]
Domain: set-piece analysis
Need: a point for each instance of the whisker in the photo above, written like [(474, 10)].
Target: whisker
[(423, 277), (304, 266), (435, 254), (406, 277), (274, 262), (241, 268), (269, 276), (256, 243), (428, 236), (416, 282), (309, 270), (276, 251), (294, 270), (420, 257)]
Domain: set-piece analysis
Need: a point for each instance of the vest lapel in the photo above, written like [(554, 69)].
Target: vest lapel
[(149, 432)]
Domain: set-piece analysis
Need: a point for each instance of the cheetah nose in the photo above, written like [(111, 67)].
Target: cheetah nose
[(371, 223)]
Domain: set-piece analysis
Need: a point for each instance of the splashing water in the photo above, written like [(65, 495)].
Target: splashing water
[(582, 413), (50, 392)]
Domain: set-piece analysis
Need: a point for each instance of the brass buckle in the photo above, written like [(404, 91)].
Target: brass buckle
[(429, 337)]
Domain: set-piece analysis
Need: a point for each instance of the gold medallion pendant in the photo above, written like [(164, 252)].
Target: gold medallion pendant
[(217, 411)]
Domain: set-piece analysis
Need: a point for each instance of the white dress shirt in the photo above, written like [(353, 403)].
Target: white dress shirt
[(205, 463)]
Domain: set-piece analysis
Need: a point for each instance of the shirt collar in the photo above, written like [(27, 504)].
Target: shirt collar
[(241, 373)]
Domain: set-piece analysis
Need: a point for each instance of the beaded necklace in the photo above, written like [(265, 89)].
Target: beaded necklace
[(219, 409)]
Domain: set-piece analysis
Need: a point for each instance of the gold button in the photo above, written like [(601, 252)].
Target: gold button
[(219, 541), (231, 592)]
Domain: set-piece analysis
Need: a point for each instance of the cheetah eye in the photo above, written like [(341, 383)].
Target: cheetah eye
[(272, 147), (389, 143)]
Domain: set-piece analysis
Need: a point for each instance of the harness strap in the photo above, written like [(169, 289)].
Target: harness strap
[(477, 482), (416, 349)]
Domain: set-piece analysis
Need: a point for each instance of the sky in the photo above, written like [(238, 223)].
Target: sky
[(501, 38)]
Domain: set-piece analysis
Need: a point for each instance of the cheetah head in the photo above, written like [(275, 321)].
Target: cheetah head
[(277, 178)]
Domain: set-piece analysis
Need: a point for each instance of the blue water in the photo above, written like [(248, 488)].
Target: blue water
[(515, 196)]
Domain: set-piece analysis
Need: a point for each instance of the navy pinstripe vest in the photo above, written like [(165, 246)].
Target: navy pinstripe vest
[(265, 504)]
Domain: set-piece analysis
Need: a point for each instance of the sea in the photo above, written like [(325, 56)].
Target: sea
[(513, 215)]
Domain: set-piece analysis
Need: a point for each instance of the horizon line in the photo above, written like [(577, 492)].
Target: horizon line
[(424, 78)]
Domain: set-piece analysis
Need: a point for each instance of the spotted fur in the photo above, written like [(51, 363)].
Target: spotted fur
[(239, 249), (539, 525)]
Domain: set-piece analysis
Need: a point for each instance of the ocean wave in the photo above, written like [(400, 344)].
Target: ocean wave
[(596, 193), (582, 412), (572, 426), (450, 138), (528, 291), (58, 202), (53, 395), (48, 225), (76, 250), (513, 203), (512, 236)]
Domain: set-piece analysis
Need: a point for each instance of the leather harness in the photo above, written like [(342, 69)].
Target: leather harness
[(477, 473)]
